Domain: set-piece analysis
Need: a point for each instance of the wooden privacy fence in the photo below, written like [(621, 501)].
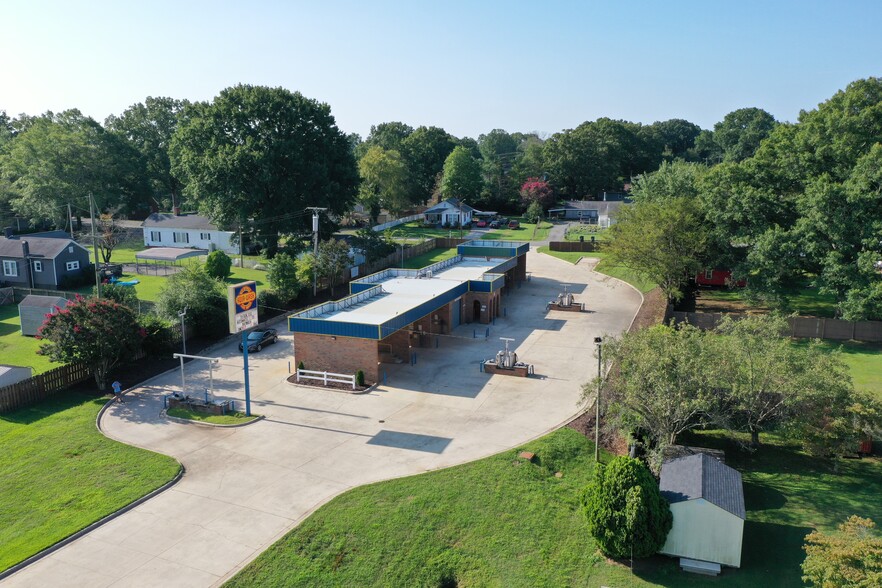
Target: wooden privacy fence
[(575, 246), (42, 386), (800, 326), (7, 296)]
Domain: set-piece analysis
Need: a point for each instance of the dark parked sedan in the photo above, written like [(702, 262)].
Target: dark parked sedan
[(257, 340)]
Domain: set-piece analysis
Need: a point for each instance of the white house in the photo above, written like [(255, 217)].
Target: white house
[(450, 212), (707, 501), (186, 230)]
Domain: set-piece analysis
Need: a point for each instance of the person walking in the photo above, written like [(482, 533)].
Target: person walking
[(117, 390)]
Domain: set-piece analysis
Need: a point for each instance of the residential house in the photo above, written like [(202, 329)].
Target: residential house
[(595, 212), (187, 231), (43, 262), (451, 212)]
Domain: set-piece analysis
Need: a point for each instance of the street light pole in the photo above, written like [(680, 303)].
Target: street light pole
[(599, 342), (182, 314)]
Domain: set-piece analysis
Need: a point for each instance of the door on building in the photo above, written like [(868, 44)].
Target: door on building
[(476, 311), (455, 313)]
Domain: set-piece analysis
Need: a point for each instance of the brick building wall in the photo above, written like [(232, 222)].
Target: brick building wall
[(489, 302), (343, 355)]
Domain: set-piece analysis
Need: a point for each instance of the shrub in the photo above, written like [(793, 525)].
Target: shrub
[(124, 295), (300, 366), (627, 514), (158, 335), (359, 378), (203, 296), (268, 304), (282, 276), (218, 265)]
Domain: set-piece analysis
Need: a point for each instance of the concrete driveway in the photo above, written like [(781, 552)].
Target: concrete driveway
[(246, 487)]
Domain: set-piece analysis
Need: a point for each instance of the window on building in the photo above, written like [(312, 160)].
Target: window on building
[(38, 266), (205, 236), (72, 265), (10, 268), (156, 236), (181, 237), (709, 274), (70, 249)]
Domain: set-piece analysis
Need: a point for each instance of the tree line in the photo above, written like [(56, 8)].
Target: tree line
[(792, 205), (254, 156)]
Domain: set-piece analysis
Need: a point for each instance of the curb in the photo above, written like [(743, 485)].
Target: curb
[(165, 414), (71, 538)]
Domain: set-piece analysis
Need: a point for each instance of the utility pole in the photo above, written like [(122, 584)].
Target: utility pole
[(94, 246), (599, 342), (241, 248), (315, 227), (70, 220)]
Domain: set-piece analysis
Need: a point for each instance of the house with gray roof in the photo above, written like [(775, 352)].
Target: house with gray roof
[(43, 262), (451, 212), (187, 230), (595, 212), (707, 501)]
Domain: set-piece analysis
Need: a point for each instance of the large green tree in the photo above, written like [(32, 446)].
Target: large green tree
[(677, 179), (627, 515), (264, 154), (63, 158), (462, 176), (677, 136), (662, 385), (425, 151), (741, 131), (149, 127), (664, 241), (384, 182), (97, 332)]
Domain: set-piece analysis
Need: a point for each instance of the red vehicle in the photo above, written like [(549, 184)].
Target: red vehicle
[(481, 224), (514, 224), (717, 277)]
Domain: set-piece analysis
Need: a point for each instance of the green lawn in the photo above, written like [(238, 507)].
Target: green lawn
[(15, 348), (503, 522), (604, 267), (415, 230), (59, 474), (807, 302), (430, 257), (587, 231), (865, 364), (526, 232), (233, 418)]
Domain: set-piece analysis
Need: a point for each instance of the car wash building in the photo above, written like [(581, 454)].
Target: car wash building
[(389, 313)]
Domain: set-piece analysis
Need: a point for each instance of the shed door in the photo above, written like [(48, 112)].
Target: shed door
[(455, 311)]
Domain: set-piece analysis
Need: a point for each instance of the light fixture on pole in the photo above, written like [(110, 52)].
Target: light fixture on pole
[(182, 314), (599, 342)]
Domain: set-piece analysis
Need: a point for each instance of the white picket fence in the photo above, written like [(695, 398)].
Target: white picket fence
[(397, 222), (326, 377)]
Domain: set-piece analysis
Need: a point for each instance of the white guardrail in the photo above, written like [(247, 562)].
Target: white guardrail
[(326, 377)]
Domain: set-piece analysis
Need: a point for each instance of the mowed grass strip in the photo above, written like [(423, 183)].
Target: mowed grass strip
[(605, 266), (429, 257), (504, 522), (233, 418), (60, 474), (500, 521)]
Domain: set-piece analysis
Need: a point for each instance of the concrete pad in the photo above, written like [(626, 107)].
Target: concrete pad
[(246, 486)]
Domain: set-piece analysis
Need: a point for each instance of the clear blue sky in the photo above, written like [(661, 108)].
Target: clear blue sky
[(466, 66)]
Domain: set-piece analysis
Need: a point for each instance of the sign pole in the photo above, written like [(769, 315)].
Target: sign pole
[(247, 386)]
